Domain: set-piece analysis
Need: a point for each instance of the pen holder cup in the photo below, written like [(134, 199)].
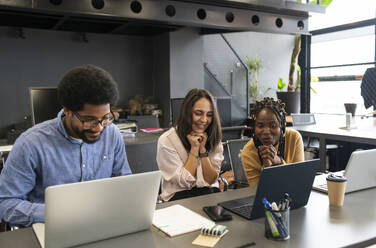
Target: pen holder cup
[(277, 224)]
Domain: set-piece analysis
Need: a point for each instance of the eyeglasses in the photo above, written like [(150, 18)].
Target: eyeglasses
[(92, 123)]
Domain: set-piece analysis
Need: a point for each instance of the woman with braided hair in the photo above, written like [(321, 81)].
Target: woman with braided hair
[(271, 144)]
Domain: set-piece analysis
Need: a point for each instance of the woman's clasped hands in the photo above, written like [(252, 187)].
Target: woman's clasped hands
[(269, 155), (198, 141)]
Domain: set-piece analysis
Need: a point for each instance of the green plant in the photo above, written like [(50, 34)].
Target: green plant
[(294, 67), (255, 66), (281, 84)]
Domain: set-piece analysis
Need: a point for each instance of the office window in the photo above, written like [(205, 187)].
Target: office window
[(344, 47), (340, 58), (342, 12)]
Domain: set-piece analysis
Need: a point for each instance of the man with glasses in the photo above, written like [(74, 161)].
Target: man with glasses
[(81, 144)]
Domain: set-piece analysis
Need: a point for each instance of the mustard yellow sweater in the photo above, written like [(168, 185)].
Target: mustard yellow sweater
[(294, 152)]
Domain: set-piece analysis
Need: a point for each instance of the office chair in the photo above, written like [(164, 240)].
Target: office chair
[(233, 132), (175, 106), (5, 227), (2, 161), (306, 119), (234, 148), (303, 119), (225, 174), (146, 161), (145, 121)]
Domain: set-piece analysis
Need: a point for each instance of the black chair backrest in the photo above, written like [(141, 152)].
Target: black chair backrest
[(145, 121), (233, 132), (303, 119), (235, 148), (226, 164), (175, 108)]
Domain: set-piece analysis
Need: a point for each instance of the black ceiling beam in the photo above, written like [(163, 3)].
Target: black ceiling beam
[(343, 27)]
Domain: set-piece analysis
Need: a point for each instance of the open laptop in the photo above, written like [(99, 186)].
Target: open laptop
[(89, 211), (295, 179), (360, 172)]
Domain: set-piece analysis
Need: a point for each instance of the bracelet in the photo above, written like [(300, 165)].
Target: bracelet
[(204, 155), (197, 157)]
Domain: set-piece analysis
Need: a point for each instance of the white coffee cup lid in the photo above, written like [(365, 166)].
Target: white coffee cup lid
[(336, 178)]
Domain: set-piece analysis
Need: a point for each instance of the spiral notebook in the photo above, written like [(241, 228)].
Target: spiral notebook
[(210, 235), (177, 220)]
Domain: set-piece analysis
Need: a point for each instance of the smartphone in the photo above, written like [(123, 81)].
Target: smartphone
[(217, 213)]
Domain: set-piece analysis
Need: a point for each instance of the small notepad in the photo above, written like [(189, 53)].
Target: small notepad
[(208, 240)]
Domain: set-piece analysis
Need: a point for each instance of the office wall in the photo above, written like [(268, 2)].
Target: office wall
[(166, 66), (274, 50), (186, 70), (42, 58), (161, 79)]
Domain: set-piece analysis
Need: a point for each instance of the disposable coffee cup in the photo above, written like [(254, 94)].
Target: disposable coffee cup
[(336, 189), (350, 108)]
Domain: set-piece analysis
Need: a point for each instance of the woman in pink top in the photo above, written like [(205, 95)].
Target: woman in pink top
[(190, 154)]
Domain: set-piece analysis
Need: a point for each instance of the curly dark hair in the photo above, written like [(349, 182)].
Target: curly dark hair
[(183, 124), (278, 108), (87, 84)]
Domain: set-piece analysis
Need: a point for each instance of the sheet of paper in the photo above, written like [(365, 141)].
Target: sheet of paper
[(176, 220)]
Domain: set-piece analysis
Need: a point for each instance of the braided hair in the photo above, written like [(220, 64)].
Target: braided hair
[(278, 109)]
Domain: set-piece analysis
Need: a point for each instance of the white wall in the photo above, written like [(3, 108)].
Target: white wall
[(274, 50), (186, 70)]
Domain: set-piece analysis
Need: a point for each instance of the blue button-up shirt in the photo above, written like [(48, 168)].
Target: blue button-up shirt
[(46, 155)]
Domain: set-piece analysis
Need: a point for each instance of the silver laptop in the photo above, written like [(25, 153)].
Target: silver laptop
[(360, 172), (89, 211)]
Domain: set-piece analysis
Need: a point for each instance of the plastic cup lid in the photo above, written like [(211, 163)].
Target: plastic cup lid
[(336, 178)]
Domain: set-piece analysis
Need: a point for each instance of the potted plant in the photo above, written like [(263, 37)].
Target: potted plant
[(256, 91), (292, 97)]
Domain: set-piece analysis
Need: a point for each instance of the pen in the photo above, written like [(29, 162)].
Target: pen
[(275, 208), (272, 224), (280, 226), (287, 200), (246, 245), (266, 203)]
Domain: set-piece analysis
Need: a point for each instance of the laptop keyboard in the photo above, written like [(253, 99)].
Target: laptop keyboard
[(244, 210), (323, 186), (241, 206)]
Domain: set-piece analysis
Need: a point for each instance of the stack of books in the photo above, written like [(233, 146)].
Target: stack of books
[(127, 128)]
